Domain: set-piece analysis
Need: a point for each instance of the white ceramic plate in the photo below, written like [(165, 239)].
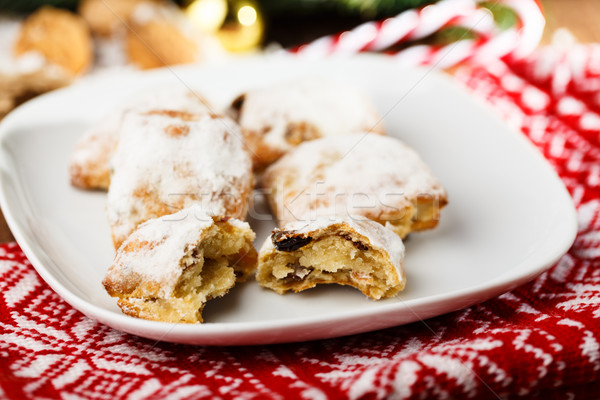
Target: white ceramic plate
[(509, 216)]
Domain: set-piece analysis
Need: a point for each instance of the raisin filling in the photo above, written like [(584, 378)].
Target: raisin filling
[(283, 242), (357, 244), (300, 272)]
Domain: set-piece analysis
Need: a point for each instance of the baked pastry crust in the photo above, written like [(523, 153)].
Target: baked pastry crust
[(15, 89), (161, 35), (277, 118), (89, 167), (60, 36), (169, 160), (171, 266), (106, 17), (345, 251), (156, 44), (373, 176)]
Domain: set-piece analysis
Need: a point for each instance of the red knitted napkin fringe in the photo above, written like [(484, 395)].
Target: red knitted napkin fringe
[(540, 339)]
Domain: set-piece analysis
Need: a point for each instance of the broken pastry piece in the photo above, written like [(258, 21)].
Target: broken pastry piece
[(377, 177), (171, 266), (168, 160), (343, 251), (89, 165), (277, 118)]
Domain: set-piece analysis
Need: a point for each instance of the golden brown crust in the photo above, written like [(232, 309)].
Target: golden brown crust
[(263, 154), (182, 115), (16, 89), (155, 44), (152, 205), (244, 263), (60, 36), (105, 17), (368, 175), (170, 267), (90, 181), (94, 172), (298, 132), (276, 119), (423, 213)]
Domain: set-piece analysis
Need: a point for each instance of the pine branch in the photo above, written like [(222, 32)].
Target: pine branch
[(366, 9)]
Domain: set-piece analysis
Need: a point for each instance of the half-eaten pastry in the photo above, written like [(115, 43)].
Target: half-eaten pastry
[(354, 252), (171, 266)]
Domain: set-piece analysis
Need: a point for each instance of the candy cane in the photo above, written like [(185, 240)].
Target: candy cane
[(413, 25)]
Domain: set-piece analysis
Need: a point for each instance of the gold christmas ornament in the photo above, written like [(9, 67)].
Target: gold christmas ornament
[(238, 24), (207, 15)]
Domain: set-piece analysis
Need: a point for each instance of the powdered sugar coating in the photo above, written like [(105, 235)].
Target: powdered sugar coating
[(89, 164), (177, 98), (362, 174), (315, 106), (154, 252), (166, 161), (374, 234)]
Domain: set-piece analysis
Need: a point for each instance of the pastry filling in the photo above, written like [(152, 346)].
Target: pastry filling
[(210, 269), (339, 259)]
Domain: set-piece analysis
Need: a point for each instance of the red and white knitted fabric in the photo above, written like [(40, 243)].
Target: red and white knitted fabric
[(540, 339)]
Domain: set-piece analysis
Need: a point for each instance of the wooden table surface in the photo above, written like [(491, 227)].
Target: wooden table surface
[(578, 16)]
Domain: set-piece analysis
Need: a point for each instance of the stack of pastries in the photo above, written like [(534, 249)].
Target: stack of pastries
[(180, 175)]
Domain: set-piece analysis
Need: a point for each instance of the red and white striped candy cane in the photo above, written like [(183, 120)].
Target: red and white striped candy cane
[(491, 41)]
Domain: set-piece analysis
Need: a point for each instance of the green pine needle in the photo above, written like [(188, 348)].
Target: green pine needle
[(504, 17)]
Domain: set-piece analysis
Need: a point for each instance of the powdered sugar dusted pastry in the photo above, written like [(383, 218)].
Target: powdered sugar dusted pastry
[(168, 160), (344, 251), (89, 165), (374, 176), (277, 118), (170, 267)]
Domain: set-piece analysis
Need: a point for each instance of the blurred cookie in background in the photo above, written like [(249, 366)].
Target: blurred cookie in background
[(60, 36), (107, 17), (159, 35), (145, 33), (42, 52), (51, 47)]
